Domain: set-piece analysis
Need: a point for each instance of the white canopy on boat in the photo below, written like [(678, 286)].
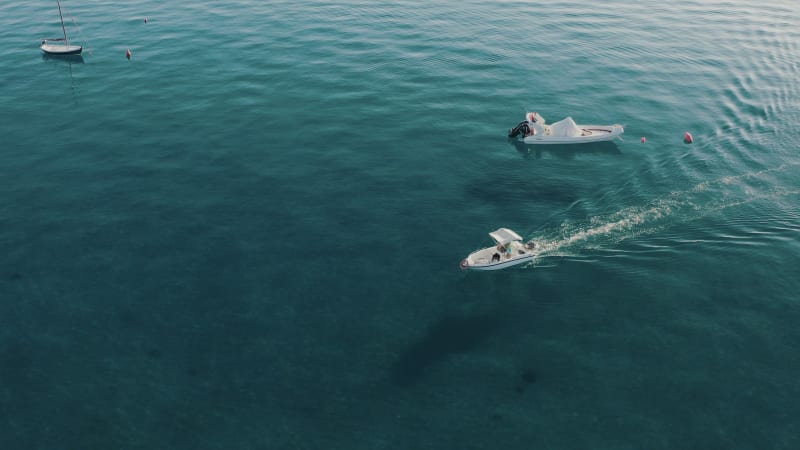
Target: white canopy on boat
[(504, 236), (565, 128)]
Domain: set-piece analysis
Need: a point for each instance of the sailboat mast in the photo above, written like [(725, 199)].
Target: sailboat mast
[(62, 22)]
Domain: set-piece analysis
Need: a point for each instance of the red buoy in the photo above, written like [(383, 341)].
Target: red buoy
[(687, 138), (644, 139), (128, 54)]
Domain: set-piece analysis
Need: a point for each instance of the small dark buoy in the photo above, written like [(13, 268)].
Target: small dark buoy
[(128, 54), (145, 20), (687, 138)]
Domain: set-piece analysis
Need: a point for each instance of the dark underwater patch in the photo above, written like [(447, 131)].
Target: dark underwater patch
[(511, 191), (449, 335), (524, 380), (16, 362), (528, 376), (155, 353)]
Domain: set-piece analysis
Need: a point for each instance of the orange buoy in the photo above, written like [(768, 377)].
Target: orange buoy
[(687, 138), (128, 54), (644, 139)]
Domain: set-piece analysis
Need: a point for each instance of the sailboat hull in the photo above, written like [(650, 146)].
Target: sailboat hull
[(52, 49), (64, 48)]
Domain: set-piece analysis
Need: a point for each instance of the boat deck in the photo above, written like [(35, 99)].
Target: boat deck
[(514, 253)]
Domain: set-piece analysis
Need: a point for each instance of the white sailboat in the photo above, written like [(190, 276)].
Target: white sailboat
[(60, 46)]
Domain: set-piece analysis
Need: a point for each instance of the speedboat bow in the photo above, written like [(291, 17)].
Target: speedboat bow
[(509, 251), (533, 130)]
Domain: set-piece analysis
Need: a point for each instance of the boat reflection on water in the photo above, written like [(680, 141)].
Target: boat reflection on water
[(64, 62), (564, 151), (67, 59)]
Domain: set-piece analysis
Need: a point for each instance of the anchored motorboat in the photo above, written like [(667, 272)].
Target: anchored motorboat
[(534, 130), (509, 251)]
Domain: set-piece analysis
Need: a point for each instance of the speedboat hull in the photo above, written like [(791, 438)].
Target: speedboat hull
[(477, 262), (533, 130), (589, 133)]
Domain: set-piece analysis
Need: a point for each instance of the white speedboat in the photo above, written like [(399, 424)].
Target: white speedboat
[(509, 251), (534, 130)]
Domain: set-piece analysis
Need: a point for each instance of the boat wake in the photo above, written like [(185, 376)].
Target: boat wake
[(572, 238)]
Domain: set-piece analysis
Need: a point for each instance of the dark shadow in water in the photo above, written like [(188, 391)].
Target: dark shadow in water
[(526, 378), (449, 335), (564, 151), (500, 190), (65, 59), (155, 353), (16, 361)]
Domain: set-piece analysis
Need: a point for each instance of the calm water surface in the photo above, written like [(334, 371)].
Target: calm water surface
[(248, 235)]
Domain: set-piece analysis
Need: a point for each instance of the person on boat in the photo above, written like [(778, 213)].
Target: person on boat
[(496, 257)]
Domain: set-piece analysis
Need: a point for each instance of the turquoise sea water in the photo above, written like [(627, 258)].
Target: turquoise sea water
[(248, 235)]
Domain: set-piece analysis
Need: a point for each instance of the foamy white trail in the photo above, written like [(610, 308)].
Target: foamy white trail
[(703, 199)]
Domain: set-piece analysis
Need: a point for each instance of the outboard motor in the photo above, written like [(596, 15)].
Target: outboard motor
[(521, 127)]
